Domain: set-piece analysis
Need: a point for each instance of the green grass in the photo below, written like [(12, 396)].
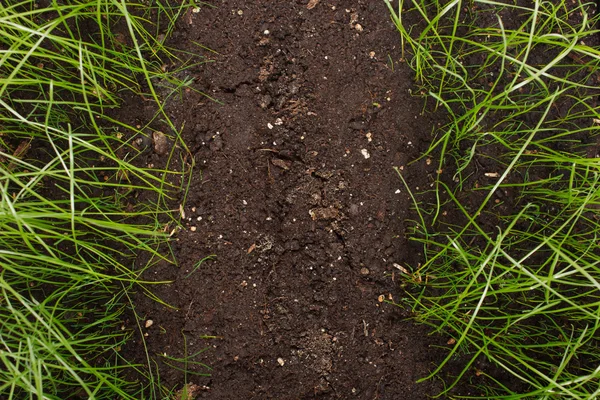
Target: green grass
[(71, 226), (516, 282)]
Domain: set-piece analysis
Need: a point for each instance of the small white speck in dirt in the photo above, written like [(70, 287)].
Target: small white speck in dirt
[(365, 153)]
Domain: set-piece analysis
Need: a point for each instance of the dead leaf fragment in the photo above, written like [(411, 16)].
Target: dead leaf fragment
[(312, 4), (324, 213), (20, 152), (401, 268), (285, 165)]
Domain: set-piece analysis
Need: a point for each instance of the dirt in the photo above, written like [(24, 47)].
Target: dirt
[(295, 195)]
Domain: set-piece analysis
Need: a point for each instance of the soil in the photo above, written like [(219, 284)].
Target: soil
[(295, 196)]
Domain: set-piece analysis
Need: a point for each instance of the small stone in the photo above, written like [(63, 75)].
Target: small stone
[(364, 271), (270, 125), (193, 228), (149, 323), (365, 153), (281, 361), (161, 145), (358, 27), (240, 12)]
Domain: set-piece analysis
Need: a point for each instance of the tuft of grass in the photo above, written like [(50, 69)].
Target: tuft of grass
[(76, 205), (515, 283)]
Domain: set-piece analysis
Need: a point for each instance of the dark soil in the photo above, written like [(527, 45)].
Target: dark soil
[(295, 195)]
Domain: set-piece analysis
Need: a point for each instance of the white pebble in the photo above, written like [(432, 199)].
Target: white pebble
[(365, 153)]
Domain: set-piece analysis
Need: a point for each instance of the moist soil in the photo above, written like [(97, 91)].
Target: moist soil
[(306, 109)]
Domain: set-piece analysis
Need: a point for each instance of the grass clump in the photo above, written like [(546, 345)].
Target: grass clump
[(76, 206), (516, 282)]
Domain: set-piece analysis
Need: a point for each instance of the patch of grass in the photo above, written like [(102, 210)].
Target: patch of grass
[(71, 225), (517, 282)]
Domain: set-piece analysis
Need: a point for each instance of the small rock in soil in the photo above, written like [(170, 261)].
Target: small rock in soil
[(143, 143), (161, 144)]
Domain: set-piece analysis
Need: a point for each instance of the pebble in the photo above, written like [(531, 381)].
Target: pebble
[(161, 145), (365, 153), (364, 271), (281, 361), (149, 323)]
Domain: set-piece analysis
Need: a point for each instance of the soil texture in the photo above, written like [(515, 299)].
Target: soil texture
[(295, 196)]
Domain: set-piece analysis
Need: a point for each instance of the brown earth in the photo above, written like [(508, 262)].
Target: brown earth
[(294, 192)]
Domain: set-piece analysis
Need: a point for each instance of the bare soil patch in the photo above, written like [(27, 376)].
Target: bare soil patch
[(295, 195)]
